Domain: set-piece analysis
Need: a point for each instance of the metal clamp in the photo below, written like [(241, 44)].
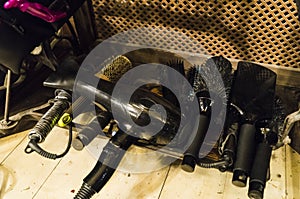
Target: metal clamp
[(289, 123)]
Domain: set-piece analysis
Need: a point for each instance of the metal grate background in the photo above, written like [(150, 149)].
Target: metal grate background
[(260, 31)]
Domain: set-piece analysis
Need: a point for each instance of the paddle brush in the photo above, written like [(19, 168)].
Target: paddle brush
[(208, 91), (253, 92)]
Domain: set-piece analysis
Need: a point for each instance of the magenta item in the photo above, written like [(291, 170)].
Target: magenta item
[(36, 9)]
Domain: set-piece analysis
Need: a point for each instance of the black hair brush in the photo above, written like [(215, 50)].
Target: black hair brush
[(228, 141), (253, 92), (267, 139), (113, 71), (177, 65), (210, 91)]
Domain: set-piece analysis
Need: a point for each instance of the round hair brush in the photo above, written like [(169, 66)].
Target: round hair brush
[(228, 141), (209, 92), (268, 138), (277, 123), (253, 92), (178, 65), (114, 70)]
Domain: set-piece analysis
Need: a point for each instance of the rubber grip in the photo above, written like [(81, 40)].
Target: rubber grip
[(105, 167), (245, 155), (108, 161), (191, 155), (259, 172), (87, 134)]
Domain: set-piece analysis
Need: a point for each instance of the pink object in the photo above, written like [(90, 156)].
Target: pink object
[(36, 9)]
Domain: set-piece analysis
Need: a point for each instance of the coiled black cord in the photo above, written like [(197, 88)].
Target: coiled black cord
[(85, 192), (210, 165), (221, 164), (51, 117), (111, 156), (48, 121), (33, 146), (46, 124)]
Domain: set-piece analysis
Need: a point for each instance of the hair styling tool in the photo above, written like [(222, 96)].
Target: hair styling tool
[(102, 95), (261, 163), (88, 133), (121, 141), (197, 76), (109, 160), (112, 72), (228, 142), (168, 95), (253, 92), (39, 133), (277, 123), (267, 138)]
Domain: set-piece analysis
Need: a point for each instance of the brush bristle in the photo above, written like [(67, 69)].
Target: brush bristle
[(226, 71), (177, 65), (196, 79), (279, 115), (203, 77), (116, 68)]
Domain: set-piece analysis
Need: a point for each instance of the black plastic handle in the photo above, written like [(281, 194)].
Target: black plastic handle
[(191, 155), (51, 117), (245, 155), (87, 134), (259, 171), (105, 167)]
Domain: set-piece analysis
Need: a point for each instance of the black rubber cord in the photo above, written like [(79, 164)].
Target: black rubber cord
[(33, 146)]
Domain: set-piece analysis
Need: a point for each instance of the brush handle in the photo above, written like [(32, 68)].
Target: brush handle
[(245, 155), (87, 134), (191, 155), (259, 170)]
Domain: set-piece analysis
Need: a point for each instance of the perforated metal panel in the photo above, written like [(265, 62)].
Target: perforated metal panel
[(261, 31)]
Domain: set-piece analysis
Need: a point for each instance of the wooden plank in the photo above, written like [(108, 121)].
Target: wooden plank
[(134, 185), (9, 143), (275, 187), (202, 183), (292, 173), (141, 175), (67, 178), (231, 191), (23, 174), (27, 176)]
